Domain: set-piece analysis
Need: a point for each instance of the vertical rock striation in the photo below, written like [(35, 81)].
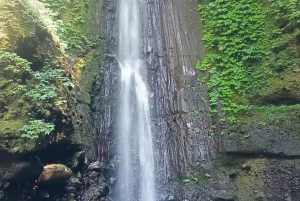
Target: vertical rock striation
[(171, 34), (171, 47)]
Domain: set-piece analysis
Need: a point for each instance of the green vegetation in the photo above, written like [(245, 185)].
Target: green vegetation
[(15, 65), (252, 46), (74, 28), (232, 31), (45, 82), (42, 90), (190, 181), (42, 45), (71, 16), (36, 127)]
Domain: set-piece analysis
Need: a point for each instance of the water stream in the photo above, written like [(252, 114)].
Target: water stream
[(136, 174)]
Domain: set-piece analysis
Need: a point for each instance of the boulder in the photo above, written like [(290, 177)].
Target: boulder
[(21, 170), (55, 174), (96, 166)]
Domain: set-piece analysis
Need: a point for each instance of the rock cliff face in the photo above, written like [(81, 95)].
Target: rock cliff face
[(171, 47), (192, 163), (256, 160)]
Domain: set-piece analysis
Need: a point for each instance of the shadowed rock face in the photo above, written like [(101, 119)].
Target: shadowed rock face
[(20, 170)]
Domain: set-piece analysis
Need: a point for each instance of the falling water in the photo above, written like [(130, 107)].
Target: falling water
[(136, 174)]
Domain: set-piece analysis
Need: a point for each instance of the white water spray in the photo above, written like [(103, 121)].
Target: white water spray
[(137, 164)]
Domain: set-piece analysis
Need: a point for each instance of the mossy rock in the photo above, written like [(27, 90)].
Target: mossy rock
[(55, 174), (283, 90), (19, 21)]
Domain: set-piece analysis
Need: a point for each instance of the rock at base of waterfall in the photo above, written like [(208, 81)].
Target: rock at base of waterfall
[(77, 159), (96, 166), (75, 182), (96, 192), (21, 170), (55, 174), (171, 198), (104, 189), (44, 194)]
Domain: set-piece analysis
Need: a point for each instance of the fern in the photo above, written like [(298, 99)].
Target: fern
[(36, 127)]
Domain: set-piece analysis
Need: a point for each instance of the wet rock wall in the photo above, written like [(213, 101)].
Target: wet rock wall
[(191, 163), (181, 122), (171, 46)]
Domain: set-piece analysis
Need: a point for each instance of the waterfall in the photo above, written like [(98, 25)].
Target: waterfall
[(136, 171)]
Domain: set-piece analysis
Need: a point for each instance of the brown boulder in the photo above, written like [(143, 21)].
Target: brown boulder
[(55, 174)]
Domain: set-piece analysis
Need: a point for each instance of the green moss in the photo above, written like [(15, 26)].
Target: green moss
[(24, 28), (19, 21), (59, 167), (250, 183), (10, 137), (11, 127), (89, 72)]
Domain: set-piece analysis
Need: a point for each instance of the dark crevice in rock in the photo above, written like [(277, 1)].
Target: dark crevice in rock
[(28, 49), (283, 101), (58, 152), (240, 154), (222, 199)]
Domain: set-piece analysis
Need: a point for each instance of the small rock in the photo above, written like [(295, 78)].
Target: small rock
[(171, 198), (44, 194), (2, 195), (104, 189), (286, 195), (71, 188), (5, 185), (296, 70), (77, 159), (86, 161), (75, 182), (246, 166), (96, 166), (112, 180), (78, 175)]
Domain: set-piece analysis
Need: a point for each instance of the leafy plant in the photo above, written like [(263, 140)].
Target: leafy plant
[(186, 181), (222, 133), (207, 175), (19, 89), (195, 180), (262, 123), (197, 129), (70, 16), (196, 112), (14, 66), (246, 136), (46, 81), (232, 32), (191, 181), (36, 127)]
